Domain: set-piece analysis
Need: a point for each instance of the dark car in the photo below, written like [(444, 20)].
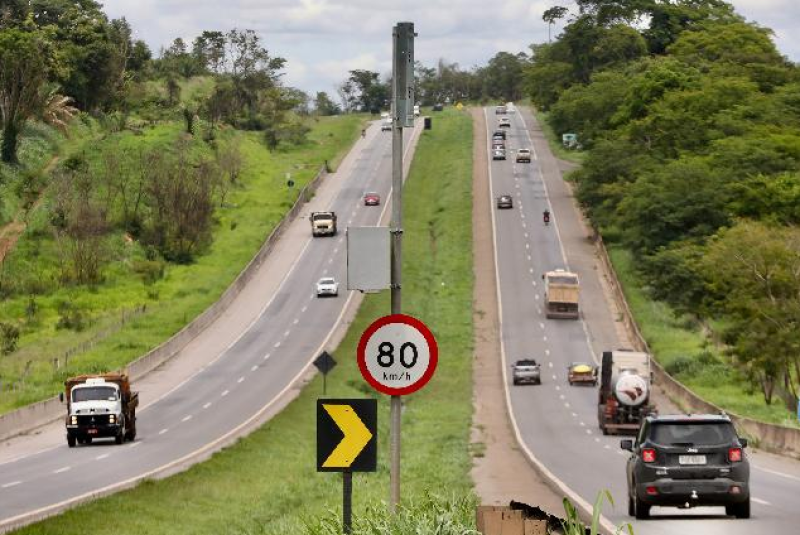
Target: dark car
[(372, 199), (438, 107), (685, 461), (499, 134), (505, 201)]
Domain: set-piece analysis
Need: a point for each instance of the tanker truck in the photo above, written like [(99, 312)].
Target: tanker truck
[(624, 396)]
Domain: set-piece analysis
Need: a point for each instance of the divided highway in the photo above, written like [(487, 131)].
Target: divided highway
[(233, 390), (558, 423)]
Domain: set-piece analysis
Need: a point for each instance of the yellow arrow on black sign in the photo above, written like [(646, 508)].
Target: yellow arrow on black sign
[(347, 435)]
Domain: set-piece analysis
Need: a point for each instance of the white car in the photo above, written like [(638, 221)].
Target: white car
[(504, 122), (327, 286)]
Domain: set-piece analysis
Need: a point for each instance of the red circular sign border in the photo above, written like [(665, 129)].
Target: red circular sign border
[(361, 354)]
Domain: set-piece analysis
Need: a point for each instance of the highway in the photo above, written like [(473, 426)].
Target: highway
[(556, 423), (236, 387)]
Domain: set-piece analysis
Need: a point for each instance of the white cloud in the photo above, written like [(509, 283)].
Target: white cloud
[(323, 39)]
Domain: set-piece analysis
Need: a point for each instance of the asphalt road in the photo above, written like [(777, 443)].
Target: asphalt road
[(556, 422), (233, 389)]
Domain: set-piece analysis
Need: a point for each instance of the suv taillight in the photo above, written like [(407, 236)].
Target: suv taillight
[(648, 455), (735, 455)]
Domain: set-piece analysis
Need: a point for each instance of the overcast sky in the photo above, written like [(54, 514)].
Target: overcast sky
[(324, 39)]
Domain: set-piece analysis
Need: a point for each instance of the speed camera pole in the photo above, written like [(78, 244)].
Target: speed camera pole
[(402, 45)]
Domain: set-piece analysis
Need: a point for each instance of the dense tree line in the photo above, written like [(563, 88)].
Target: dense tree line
[(692, 118)]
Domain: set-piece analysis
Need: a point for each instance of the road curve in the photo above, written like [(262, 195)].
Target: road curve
[(556, 422), (228, 393)]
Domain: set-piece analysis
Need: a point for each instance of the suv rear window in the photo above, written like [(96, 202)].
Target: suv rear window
[(692, 433)]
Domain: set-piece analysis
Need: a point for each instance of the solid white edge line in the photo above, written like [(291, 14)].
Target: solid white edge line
[(576, 499), (759, 501), (42, 512)]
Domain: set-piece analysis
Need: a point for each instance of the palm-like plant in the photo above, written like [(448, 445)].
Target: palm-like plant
[(56, 109)]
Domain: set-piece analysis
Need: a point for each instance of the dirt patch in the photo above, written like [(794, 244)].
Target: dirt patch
[(500, 471)]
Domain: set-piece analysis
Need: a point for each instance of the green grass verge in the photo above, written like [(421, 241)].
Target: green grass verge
[(267, 482), (575, 156), (672, 338), (250, 213)]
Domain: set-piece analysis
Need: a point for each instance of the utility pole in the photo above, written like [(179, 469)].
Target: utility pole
[(402, 103)]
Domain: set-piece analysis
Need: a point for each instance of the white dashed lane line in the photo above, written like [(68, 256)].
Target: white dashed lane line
[(267, 356), (225, 393), (11, 484), (547, 352), (574, 414), (207, 405), (277, 344), (163, 431), (101, 457), (62, 470), (583, 424), (760, 501), (305, 307), (286, 334), (541, 325), (186, 418), (254, 368), (296, 321), (240, 380), (135, 444)]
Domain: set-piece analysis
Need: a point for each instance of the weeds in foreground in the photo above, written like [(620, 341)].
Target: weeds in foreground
[(574, 526)]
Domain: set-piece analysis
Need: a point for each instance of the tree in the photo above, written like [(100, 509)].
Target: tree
[(25, 62), (324, 105), (503, 76), (370, 94), (553, 14)]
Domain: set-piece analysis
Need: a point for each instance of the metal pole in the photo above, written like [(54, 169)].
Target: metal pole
[(347, 501), (396, 278)]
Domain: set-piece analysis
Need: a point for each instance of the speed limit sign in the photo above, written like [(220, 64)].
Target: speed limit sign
[(397, 355)]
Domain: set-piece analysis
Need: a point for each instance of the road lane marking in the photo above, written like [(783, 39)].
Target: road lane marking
[(240, 380), (530, 259), (101, 457), (134, 444), (186, 418), (597, 439), (207, 405), (536, 296), (562, 396), (574, 414), (225, 393), (544, 338), (254, 368), (776, 473), (336, 250), (286, 333), (62, 470), (541, 325), (527, 245), (567, 405), (305, 307), (554, 377), (558, 387), (296, 321), (588, 431), (277, 344), (267, 356), (583, 424), (163, 431), (526, 237), (606, 446), (547, 352), (9, 485), (760, 501)]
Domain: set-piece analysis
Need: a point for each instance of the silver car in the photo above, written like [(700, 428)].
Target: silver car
[(327, 286)]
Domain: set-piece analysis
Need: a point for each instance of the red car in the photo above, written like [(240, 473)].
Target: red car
[(372, 199)]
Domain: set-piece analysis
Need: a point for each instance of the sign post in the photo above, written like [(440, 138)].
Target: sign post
[(324, 363), (347, 442)]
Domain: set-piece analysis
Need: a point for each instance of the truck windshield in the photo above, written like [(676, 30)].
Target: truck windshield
[(322, 217), (695, 434), (94, 393), (562, 279)]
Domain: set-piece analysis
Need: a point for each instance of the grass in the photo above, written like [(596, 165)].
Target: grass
[(267, 482), (575, 156), (673, 339), (250, 213)]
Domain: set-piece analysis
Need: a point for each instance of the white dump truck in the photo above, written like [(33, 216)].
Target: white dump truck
[(100, 406)]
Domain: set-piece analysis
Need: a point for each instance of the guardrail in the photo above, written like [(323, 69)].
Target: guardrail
[(37, 414), (771, 437)]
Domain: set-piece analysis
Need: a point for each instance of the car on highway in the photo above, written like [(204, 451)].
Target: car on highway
[(438, 106), (498, 154), (686, 461), (526, 371), (504, 122), (327, 286), (499, 134), (500, 110), (505, 202), (498, 144), (582, 373), (372, 199), (524, 155)]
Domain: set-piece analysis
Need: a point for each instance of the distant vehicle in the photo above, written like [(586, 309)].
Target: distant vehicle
[(498, 143), (504, 122), (386, 124), (499, 134), (416, 110), (323, 223), (624, 395), (687, 461), (438, 107), (100, 406), (505, 201), (526, 371), (510, 107), (500, 110), (582, 373), (561, 289), (372, 199), (327, 286), (499, 154), (524, 155)]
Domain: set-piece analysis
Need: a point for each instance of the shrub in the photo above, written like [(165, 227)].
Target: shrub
[(9, 337)]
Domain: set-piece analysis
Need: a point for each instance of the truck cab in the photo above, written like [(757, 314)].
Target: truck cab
[(100, 406), (323, 224)]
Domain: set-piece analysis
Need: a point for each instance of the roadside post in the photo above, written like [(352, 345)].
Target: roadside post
[(403, 109), (324, 363), (347, 442)]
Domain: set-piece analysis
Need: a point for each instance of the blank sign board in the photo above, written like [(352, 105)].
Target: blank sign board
[(368, 258)]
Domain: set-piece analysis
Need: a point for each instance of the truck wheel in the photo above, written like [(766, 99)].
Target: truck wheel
[(87, 440), (119, 438), (71, 441), (739, 510)]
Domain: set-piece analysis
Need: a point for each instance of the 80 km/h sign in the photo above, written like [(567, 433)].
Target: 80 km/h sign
[(397, 355)]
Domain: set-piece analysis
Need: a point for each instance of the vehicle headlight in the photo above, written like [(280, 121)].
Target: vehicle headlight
[(73, 420), (112, 418)]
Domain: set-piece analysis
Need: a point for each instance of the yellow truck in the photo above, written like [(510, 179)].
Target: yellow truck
[(561, 292)]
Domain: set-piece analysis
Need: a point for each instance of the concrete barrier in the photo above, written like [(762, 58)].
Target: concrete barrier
[(770, 437), (28, 418)]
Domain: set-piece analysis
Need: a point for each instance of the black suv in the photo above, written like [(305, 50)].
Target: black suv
[(685, 461)]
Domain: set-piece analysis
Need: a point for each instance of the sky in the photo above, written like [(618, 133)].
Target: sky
[(324, 39)]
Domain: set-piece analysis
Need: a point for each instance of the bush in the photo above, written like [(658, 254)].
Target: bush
[(9, 337), (70, 317)]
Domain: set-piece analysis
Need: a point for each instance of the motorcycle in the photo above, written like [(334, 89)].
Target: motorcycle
[(546, 218)]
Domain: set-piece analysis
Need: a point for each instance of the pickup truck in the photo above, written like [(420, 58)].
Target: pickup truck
[(526, 371)]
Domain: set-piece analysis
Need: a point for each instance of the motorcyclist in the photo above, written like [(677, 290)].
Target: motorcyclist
[(363, 132), (546, 217)]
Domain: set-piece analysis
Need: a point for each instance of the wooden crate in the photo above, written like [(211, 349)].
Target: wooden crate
[(502, 520)]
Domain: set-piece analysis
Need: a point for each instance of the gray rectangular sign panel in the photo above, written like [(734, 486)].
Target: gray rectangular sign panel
[(368, 258)]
